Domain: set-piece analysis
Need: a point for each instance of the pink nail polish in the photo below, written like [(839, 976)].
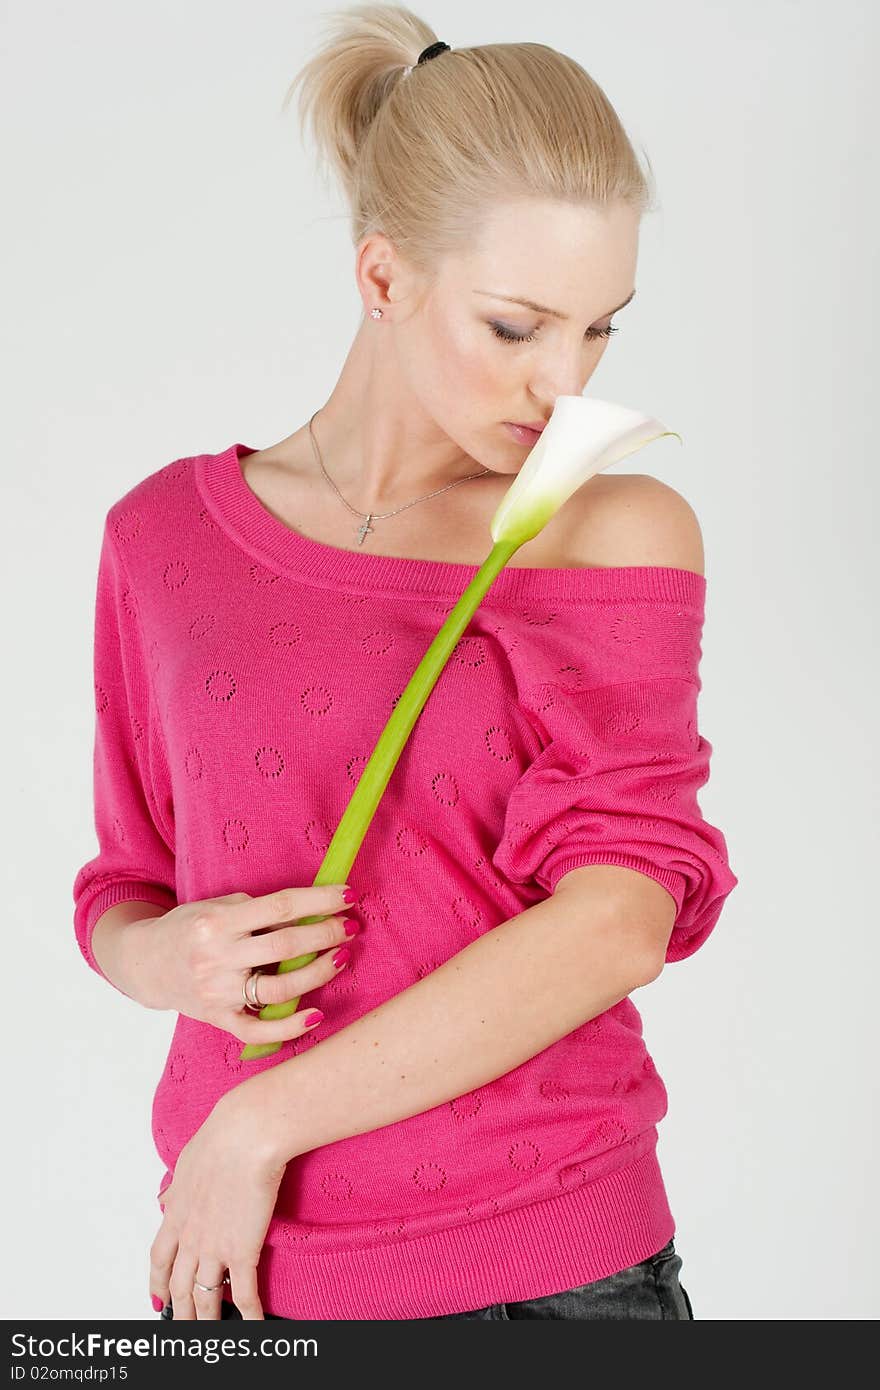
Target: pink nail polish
[(351, 926), (313, 1019), (341, 957), (349, 896), (157, 1303)]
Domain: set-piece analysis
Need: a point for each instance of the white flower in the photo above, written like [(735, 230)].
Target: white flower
[(582, 437)]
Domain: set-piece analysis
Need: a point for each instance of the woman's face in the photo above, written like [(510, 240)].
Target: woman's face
[(454, 350)]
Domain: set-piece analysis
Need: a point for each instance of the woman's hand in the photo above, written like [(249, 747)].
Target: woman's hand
[(202, 952), (217, 1209)]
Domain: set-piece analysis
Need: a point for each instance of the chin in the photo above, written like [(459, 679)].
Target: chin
[(495, 458), (498, 462), (508, 468), (498, 471)]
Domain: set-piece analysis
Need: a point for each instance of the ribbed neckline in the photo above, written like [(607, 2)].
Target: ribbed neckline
[(252, 527)]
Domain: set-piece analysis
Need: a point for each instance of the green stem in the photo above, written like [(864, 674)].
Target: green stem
[(361, 808)]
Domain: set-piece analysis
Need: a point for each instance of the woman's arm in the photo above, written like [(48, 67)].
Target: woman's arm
[(489, 1008), (123, 948)]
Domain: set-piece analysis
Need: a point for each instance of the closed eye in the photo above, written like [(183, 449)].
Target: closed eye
[(507, 336)]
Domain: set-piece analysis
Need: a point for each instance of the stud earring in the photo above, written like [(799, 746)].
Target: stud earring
[(376, 313)]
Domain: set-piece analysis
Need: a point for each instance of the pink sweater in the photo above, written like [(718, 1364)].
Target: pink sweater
[(243, 674)]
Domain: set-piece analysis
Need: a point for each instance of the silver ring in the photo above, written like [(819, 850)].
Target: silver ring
[(211, 1288), (250, 1000)]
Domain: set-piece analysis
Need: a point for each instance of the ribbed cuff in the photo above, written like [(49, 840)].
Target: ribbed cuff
[(124, 890)]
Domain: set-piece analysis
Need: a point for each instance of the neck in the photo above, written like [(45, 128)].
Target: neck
[(376, 442)]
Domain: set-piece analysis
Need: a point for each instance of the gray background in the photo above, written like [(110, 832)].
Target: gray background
[(179, 279)]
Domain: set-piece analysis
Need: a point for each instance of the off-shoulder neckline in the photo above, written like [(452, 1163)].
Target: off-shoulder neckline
[(251, 526)]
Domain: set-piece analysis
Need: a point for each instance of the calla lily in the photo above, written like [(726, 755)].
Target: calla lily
[(582, 437)]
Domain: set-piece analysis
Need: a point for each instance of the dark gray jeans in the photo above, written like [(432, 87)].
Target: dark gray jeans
[(650, 1289)]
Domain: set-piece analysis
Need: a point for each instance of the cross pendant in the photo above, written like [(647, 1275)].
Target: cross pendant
[(363, 529)]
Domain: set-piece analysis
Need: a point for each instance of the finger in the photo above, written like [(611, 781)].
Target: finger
[(162, 1255), (279, 988), (287, 905), (288, 943), (183, 1276), (211, 1273), (245, 1294), (249, 1028)]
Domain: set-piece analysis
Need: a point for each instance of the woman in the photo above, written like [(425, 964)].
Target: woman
[(466, 1128)]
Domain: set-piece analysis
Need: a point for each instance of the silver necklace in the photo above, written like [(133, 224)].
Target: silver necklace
[(380, 516)]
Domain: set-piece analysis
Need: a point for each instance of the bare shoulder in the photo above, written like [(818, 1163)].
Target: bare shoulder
[(634, 519)]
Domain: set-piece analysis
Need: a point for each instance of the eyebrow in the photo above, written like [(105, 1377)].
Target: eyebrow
[(543, 308)]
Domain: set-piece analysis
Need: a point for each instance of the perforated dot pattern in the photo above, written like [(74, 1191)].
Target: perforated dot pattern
[(242, 677)]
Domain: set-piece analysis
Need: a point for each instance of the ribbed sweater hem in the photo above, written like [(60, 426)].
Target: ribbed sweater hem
[(574, 1238)]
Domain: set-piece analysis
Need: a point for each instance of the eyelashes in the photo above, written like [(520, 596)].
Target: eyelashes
[(506, 336)]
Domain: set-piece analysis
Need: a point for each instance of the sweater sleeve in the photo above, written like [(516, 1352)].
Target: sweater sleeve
[(617, 777), (135, 858)]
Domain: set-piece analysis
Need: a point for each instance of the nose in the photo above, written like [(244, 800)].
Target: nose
[(564, 375)]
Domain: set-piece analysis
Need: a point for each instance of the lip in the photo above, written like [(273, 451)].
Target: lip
[(525, 434)]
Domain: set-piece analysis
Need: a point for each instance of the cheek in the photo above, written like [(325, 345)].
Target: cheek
[(471, 372)]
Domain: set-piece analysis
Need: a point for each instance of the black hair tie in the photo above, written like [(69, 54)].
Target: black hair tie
[(433, 51)]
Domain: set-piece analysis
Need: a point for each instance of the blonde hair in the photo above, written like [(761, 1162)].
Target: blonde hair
[(421, 157)]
